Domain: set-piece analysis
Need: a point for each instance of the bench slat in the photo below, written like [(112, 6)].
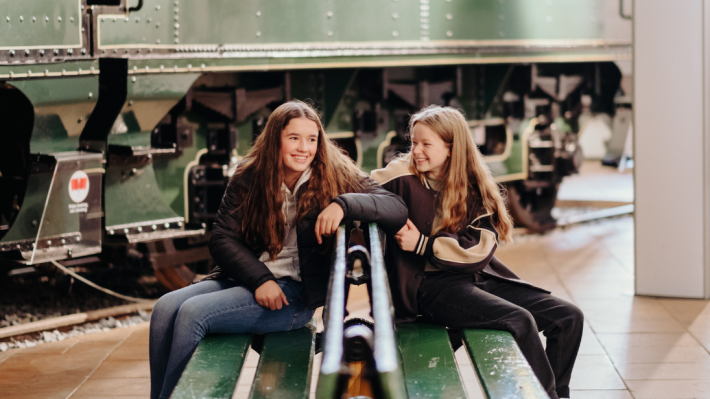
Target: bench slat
[(501, 367), (428, 359), (214, 368), (285, 365)]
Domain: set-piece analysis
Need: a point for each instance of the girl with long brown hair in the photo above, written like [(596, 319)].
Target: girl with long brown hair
[(442, 263), (269, 241)]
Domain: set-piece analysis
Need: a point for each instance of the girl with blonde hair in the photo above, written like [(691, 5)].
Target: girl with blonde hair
[(442, 263), (291, 191)]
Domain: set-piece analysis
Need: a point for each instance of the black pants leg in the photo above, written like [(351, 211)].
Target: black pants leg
[(478, 301)]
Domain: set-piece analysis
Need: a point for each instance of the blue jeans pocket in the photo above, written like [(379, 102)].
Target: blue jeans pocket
[(301, 318)]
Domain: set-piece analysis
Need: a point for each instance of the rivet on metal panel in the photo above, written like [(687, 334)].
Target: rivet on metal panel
[(79, 70), (157, 7), (202, 66), (46, 19), (167, 225), (41, 53), (258, 33), (133, 79), (395, 33), (7, 19), (157, 25), (147, 68), (177, 2), (71, 19), (56, 51), (130, 102), (70, 51), (91, 94), (114, 20), (64, 71), (449, 16), (49, 242), (21, 19), (46, 72), (63, 241), (115, 51), (125, 231), (27, 52), (138, 51), (177, 17), (135, 68), (449, 33), (126, 19), (157, 41), (179, 224), (329, 14), (83, 51), (34, 19), (140, 229), (175, 67), (330, 33), (176, 33), (138, 19), (11, 73), (177, 10), (111, 232), (29, 72), (12, 53), (81, 119), (92, 68), (177, 26), (83, 29), (154, 227), (395, 16), (189, 66), (149, 20), (59, 19), (549, 18), (258, 13), (162, 67)]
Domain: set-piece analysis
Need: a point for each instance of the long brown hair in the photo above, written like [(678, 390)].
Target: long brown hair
[(332, 174), (465, 173)]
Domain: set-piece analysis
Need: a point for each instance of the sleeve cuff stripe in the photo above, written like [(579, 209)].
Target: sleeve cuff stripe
[(422, 248)]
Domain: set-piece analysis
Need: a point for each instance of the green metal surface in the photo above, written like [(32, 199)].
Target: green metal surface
[(214, 368), (222, 22), (501, 367), (428, 360), (285, 365), (40, 24), (61, 108), (26, 224)]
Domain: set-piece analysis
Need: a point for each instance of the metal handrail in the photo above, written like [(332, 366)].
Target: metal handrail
[(621, 11)]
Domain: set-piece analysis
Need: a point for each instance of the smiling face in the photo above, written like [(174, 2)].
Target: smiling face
[(299, 143), (430, 152)]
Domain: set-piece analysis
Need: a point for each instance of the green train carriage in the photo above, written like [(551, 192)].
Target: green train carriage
[(151, 104)]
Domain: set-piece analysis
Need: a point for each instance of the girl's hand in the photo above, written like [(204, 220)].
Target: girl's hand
[(408, 237), (328, 221), (269, 295)]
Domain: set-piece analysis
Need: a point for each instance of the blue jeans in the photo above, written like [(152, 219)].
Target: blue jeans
[(182, 318)]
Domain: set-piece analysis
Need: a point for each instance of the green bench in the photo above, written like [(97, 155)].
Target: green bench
[(411, 360)]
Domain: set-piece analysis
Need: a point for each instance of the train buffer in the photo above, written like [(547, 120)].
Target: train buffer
[(409, 360)]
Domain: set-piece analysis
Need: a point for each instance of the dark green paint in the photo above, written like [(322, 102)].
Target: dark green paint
[(285, 365), (501, 367), (26, 225), (428, 360), (214, 368)]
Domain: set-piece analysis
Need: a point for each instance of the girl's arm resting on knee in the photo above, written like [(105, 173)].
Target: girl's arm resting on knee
[(467, 252), (229, 251), (374, 205)]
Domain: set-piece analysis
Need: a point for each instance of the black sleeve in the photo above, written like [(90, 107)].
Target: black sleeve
[(227, 248), (375, 204)]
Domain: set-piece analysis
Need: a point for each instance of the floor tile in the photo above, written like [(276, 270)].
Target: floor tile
[(659, 354), (599, 394), (664, 371), (122, 369), (670, 389), (595, 372), (124, 386)]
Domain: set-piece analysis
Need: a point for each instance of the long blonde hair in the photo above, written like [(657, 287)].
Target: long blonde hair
[(332, 173), (465, 173)]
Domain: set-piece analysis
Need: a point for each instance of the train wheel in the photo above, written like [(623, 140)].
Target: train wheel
[(532, 207), (174, 277)]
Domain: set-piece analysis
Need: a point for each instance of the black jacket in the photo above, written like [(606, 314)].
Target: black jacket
[(239, 262), (469, 250)]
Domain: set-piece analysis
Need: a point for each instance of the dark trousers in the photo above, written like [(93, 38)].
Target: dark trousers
[(459, 300)]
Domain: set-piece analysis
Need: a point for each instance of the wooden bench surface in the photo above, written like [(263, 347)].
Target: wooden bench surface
[(214, 368), (428, 360), (501, 366)]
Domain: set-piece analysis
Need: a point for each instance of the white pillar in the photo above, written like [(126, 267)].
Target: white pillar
[(672, 147)]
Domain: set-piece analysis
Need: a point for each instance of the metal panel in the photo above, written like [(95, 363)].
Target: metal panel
[(40, 24)]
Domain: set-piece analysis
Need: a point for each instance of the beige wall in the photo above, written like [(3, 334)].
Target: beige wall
[(671, 155)]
